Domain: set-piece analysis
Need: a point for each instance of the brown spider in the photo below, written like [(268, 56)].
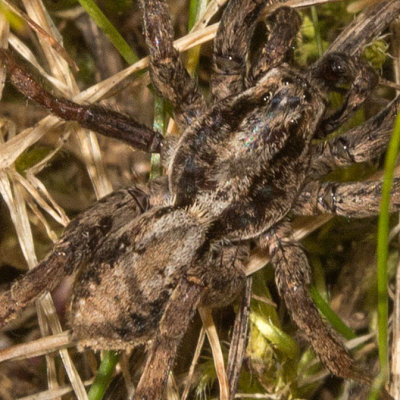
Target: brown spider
[(145, 258)]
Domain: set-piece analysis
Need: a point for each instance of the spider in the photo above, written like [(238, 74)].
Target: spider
[(146, 257)]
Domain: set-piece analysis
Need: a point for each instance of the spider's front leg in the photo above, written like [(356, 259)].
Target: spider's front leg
[(293, 276), (285, 23), (341, 63), (232, 44), (362, 143), (104, 121), (370, 139), (337, 69), (167, 71)]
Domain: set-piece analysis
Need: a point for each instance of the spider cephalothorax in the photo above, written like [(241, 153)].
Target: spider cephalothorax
[(240, 167)]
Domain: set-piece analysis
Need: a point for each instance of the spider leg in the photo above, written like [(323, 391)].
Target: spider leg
[(355, 200), (362, 143), (107, 122), (337, 69), (286, 23), (237, 348), (231, 46), (293, 275), (178, 313), (213, 281), (167, 71), (88, 231), (348, 46), (368, 24)]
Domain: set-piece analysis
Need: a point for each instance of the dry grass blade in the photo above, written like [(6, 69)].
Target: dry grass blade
[(38, 29), (358, 5), (395, 368), (88, 142), (37, 347), (212, 8), (257, 396), (211, 331), (54, 394), (27, 54), (4, 35), (12, 194), (196, 355), (32, 185), (16, 204), (13, 148), (172, 388)]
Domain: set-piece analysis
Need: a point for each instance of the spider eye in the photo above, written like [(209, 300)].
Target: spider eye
[(267, 97), (334, 68), (338, 68), (287, 81), (306, 96), (293, 125)]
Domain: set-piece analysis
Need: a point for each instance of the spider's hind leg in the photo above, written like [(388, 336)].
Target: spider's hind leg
[(173, 325), (85, 233), (293, 275), (349, 199)]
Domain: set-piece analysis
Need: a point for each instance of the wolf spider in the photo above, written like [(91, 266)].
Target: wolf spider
[(146, 257)]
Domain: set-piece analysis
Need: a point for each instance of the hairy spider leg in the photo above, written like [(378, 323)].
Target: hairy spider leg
[(363, 29), (85, 233), (293, 276), (337, 69), (348, 46), (174, 323), (34, 283), (107, 122), (350, 199), (231, 50), (237, 348), (362, 143), (285, 23), (168, 74)]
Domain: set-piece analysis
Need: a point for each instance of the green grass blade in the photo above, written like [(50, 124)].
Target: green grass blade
[(196, 9), (330, 315), (382, 255), (104, 375), (109, 30), (314, 18)]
